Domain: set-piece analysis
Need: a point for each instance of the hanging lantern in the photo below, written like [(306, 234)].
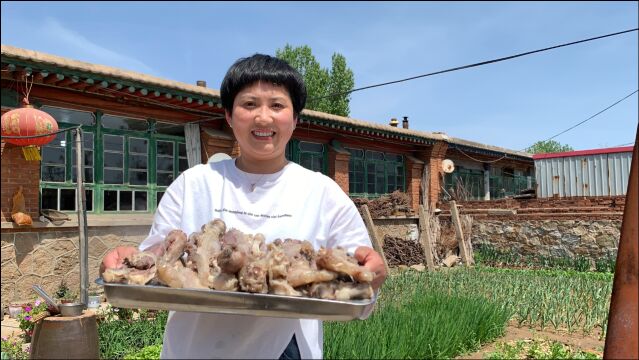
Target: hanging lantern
[(28, 121)]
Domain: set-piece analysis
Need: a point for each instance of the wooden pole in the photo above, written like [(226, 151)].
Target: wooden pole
[(377, 245), (82, 219), (424, 237), (454, 214)]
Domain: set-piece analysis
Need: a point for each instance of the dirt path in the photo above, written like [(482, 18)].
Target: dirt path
[(577, 341)]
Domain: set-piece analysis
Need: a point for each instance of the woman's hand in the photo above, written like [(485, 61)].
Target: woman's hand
[(114, 259), (371, 260)]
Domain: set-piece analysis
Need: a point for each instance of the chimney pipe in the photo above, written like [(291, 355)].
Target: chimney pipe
[(201, 83), (405, 122), (393, 122)]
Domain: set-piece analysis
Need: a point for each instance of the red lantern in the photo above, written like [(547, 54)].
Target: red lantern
[(27, 121)]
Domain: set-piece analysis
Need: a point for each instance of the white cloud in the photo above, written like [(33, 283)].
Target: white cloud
[(89, 50)]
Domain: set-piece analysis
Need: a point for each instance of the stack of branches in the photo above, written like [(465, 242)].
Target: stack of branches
[(387, 205), (400, 251)]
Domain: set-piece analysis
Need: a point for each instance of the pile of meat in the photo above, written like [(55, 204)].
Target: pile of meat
[(215, 258)]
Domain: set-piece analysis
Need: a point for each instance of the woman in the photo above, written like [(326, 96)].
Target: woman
[(259, 191)]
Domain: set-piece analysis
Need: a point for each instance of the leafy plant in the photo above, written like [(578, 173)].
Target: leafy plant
[(148, 352), (63, 291), (25, 316), (12, 348), (539, 349)]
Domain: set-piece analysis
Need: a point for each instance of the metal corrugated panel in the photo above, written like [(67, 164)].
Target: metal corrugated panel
[(591, 175)]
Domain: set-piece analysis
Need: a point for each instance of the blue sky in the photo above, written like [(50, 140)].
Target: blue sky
[(510, 104)]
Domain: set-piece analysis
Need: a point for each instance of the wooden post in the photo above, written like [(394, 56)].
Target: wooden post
[(377, 245), (424, 237), (454, 214)]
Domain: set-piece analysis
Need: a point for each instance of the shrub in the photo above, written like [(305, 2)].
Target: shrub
[(12, 348), (24, 317)]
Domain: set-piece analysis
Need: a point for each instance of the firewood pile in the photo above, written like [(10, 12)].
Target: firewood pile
[(400, 251), (396, 203)]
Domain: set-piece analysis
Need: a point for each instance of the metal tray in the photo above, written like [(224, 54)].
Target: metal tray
[(230, 302)]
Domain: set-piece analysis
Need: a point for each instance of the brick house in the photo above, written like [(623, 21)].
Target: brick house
[(140, 132)]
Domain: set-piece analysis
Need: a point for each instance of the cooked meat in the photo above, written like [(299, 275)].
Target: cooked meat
[(215, 258)]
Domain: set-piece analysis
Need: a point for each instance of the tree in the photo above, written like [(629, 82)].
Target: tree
[(548, 146), (321, 82)]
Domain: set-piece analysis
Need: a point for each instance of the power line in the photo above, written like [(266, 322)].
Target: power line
[(581, 122), (472, 65)]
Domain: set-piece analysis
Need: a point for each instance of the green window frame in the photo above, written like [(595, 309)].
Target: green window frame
[(121, 162), (310, 155), (470, 182), (374, 173)]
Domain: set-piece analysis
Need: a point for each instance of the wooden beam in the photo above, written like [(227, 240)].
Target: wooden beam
[(425, 238), (377, 244), (459, 233), (52, 80), (96, 102)]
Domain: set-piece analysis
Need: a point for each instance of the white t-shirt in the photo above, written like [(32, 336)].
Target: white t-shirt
[(292, 203)]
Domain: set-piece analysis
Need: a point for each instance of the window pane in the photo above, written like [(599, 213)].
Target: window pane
[(113, 160), (165, 179), (138, 145), (138, 162), (110, 200), (50, 199), (140, 200), (113, 176), (181, 150), (88, 175), (137, 177), (67, 199), (309, 146), (159, 197), (69, 116), (89, 199), (374, 155), (165, 148), (169, 129), (126, 200), (53, 173), (165, 164), (113, 143), (53, 155), (184, 164), (88, 158), (121, 123)]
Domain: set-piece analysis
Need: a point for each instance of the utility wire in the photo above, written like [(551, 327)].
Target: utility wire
[(581, 122), (471, 65)]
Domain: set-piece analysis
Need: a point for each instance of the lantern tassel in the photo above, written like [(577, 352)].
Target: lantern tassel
[(31, 153)]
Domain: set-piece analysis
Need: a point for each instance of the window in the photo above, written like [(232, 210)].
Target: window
[(308, 154), (127, 163), (465, 184), (373, 173)]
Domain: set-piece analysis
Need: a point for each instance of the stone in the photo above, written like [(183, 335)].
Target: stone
[(10, 273), (51, 283), (60, 247), (25, 242), (7, 292), (43, 262), (418, 267), (110, 240), (25, 264), (7, 239), (66, 262), (549, 225), (24, 287), (579, 231), (97, 248), (8, 253), (606, 240)]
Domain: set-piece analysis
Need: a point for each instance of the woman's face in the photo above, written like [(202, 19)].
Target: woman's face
[(263, 122)]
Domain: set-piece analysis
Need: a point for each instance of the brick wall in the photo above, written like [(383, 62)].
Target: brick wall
[(338, 168), (16, 172), (437, 155), (413, 181)]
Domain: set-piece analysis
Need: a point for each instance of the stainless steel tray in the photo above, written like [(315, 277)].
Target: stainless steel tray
[(230, 302)]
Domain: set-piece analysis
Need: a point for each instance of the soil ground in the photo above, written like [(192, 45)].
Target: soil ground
[(577, 341)]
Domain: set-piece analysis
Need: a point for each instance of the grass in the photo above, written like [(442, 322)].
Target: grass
[(437, 314), (422, 325), (129, 333)]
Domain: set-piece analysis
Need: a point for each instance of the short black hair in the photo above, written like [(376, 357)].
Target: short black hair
[(259, 67)]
